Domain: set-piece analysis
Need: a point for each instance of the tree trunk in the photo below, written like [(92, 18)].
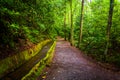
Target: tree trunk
[(81, 23), (109, 25), (65, 27), (69, 25), (72, 29), (65, 35)]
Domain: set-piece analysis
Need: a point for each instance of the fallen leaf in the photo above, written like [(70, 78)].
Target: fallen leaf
[(43, 77)]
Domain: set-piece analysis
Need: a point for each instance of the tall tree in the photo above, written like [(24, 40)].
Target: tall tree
[(65, 23), (109, 24), (72, 29), (81, 23)]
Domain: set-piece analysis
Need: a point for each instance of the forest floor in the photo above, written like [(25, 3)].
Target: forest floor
[(69, 63)]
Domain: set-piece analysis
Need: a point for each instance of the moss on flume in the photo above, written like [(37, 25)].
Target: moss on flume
[(37, 69), (9, 64)]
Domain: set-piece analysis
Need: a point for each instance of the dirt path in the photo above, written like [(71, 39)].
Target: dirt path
[(70, 64)]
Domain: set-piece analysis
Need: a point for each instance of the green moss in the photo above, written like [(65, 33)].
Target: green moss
[(10, 63), (4, 66), (50, 54), (37, 69), (32, 52)]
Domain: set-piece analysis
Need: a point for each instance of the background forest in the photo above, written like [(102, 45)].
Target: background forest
[(82, 22)]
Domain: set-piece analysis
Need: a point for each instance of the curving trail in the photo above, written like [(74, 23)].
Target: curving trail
[(70, 64)]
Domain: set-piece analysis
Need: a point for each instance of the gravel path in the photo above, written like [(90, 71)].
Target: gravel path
[(70, 64)]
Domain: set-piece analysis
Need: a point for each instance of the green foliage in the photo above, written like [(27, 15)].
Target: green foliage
[(29, 20), (94, 31), (36, 20)]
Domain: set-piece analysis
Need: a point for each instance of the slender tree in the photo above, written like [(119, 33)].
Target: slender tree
[(109, 25), (65, 26), (81, 23), (65, 23), (69, 25), (72, 29)]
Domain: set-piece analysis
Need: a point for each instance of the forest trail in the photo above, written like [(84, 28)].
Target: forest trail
[(70, 64)]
